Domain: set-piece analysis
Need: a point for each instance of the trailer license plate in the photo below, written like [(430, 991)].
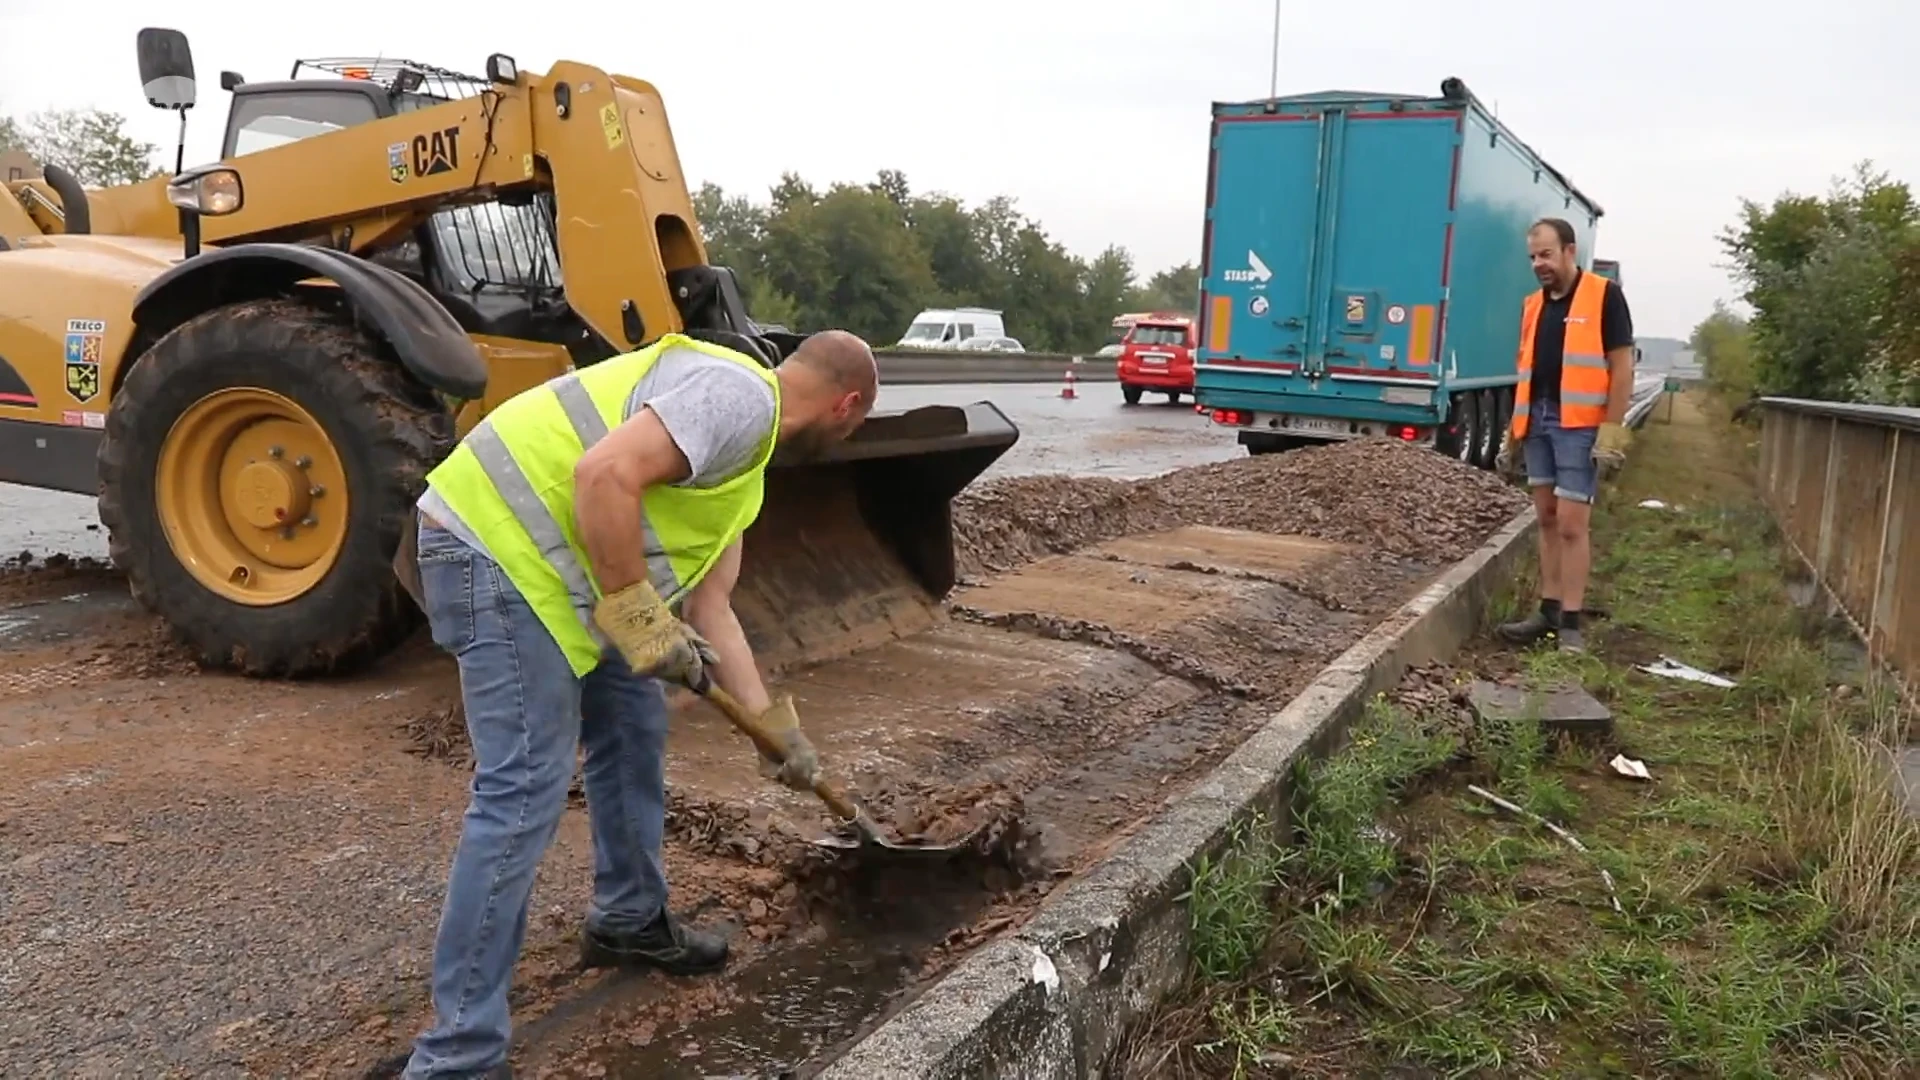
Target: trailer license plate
[(1321, 424)]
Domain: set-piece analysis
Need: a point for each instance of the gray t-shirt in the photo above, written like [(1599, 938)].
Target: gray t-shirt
[(718, 413)]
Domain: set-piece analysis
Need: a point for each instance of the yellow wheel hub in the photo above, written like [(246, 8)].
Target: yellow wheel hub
[(252, 496)]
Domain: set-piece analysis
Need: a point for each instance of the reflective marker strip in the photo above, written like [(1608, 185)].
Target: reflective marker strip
[(1420, 336), (1220, 326)]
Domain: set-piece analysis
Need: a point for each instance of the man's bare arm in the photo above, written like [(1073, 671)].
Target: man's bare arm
[(1619, 383), (608, 482), (709, 610)]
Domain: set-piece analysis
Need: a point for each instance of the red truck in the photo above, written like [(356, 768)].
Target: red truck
[(1157, 355)]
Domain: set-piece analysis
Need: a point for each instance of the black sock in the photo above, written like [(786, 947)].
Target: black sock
[(1550, 609), (1570, 620)]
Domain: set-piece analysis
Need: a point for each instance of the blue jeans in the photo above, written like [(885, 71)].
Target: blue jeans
[(526, 711), (1557, 456)]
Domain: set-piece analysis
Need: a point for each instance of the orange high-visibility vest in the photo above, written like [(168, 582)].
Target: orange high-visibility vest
[(1583, 364)]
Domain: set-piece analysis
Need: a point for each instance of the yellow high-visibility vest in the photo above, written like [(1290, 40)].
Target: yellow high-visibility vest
[(510, 481)]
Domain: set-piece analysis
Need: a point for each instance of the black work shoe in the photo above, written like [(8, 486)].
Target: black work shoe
[(1571, 639), (1526, 631), (665, 944), (396, 1066)]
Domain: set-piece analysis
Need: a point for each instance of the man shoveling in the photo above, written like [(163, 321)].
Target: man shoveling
[(555, 546)]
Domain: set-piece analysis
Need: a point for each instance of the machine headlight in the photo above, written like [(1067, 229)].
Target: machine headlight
[(211, 190)]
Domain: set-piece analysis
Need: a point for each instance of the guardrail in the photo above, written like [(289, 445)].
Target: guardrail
[(909, 366), (1844, 483)]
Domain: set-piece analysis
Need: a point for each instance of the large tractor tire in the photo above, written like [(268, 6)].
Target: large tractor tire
[(258, 468)]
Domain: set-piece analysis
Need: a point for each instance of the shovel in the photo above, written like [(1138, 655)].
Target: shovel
[(867, 835)]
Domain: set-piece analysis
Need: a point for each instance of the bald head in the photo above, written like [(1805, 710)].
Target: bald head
[(842, 361), (827, 388)]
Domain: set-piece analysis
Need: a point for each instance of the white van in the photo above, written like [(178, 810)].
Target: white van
[(946, 328)]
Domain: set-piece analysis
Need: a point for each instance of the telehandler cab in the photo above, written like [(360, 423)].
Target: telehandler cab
[(254, 363)]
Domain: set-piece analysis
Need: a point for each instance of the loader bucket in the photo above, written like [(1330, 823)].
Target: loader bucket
[(855, 547)]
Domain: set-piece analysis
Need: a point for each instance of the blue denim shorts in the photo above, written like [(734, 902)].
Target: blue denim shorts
[(1557, 456)]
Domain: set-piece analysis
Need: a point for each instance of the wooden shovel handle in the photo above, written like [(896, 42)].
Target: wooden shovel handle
[(749, 726)]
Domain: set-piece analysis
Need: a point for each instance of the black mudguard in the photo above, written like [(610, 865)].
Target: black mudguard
[(429, 343)]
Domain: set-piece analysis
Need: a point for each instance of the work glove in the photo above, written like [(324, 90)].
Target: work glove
[(1508, 461), (653, 641), (802, 764), (1610, 447)]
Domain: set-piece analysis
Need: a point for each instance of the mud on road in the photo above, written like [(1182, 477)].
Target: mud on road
[(203, 875)]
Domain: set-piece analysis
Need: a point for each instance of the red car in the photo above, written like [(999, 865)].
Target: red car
[(1157, 355)]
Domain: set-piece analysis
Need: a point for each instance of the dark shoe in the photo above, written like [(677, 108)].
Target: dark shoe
[(1572, 639), (1526, 631), (396, 1066), (665, 944)]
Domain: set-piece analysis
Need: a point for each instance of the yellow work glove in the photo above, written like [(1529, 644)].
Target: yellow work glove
[(782, 721), (1610, 447), (653, 641)]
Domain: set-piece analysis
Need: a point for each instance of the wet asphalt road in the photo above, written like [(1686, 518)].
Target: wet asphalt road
[(1093, 433), (1090, 434)]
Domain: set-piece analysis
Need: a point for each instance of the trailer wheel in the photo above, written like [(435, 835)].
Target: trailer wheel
[(1461, 436), (1130, 393), (1488, 446)]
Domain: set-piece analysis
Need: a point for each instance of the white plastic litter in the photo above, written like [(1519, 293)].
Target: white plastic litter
[(1044, 972), (1628, 767), (1669, 668), (1652, 504)]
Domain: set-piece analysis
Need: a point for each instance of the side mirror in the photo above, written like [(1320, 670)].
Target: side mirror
[(166, 68)]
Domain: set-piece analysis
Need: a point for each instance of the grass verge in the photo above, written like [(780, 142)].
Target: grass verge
[(1752, 911)]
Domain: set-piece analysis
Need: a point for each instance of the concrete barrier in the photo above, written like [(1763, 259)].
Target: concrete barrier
[(909, 367), (1053, 999)]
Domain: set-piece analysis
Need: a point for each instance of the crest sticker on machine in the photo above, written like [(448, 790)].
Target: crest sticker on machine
[(1356, 308), (1257, 305), (397, 162), (86, 343)]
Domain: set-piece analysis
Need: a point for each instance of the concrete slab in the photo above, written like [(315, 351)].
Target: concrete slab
[(1564, 708)]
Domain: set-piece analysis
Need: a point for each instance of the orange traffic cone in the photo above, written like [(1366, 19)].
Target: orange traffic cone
[(1066, 388)]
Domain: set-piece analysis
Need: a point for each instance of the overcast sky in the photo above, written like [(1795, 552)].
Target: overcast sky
[(1094, 115)]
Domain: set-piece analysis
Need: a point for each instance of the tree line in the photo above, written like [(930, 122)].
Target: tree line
[(92, 144), (1833, 282), (866, 257)]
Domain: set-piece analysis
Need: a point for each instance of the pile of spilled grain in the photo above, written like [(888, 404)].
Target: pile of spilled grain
[(1386, 495)]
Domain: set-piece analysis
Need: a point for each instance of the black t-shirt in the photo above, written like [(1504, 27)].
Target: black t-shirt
[(1550, 334)]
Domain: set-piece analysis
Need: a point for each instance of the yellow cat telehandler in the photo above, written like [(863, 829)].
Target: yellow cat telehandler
[(253, 364)]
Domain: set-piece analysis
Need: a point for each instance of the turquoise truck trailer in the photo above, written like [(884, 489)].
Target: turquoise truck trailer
[(1363, 268)]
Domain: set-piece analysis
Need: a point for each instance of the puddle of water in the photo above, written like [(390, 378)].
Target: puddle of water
[(48, 621), (795, 1007), (794, 1010)]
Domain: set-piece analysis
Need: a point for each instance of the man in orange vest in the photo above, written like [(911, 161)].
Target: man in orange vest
[(1569, 408)]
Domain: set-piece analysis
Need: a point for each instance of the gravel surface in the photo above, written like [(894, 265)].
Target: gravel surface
[(1390, 496)]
